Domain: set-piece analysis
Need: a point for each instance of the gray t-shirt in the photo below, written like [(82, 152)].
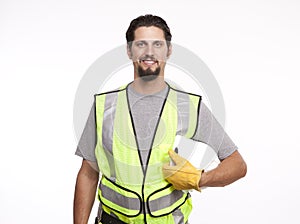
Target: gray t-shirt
[(145, 111)]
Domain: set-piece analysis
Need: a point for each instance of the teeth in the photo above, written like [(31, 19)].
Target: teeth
[(149, 62)]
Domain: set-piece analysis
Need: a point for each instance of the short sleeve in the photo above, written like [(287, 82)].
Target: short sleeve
[(87, 143), (210, 132)]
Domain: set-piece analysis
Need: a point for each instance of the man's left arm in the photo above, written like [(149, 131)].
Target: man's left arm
[(232, 166), (229, 170)]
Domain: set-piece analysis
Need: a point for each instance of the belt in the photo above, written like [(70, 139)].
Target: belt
[(107, 219)]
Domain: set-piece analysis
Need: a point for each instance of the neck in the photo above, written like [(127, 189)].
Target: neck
[(149, 87)]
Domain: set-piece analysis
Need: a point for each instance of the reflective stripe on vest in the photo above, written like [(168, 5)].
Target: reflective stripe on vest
[(126, 185)]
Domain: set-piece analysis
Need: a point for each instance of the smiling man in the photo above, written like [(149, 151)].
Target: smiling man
[(129, 134)]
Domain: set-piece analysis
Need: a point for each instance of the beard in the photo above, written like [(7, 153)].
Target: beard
[(148, 75)]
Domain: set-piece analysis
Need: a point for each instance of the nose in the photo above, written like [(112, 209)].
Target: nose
[(149, 50)]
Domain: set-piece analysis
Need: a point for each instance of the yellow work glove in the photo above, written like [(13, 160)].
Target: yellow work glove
[(183, 175)]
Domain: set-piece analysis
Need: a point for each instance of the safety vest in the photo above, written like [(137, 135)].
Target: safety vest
[(129, 190)]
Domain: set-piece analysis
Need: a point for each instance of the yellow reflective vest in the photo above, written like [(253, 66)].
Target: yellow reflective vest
[(131, 191)]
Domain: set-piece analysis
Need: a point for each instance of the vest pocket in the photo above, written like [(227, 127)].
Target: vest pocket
[(165, 201), (119, 199)]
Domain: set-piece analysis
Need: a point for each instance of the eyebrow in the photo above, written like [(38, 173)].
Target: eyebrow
[(158, 41), (153, 40)]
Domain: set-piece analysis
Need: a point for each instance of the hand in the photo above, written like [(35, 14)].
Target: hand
[(183, 176)]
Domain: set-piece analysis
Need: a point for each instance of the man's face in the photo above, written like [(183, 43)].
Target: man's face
[(149, 52)]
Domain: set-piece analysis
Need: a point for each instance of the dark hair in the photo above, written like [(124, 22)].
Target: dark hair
[(148, 20)]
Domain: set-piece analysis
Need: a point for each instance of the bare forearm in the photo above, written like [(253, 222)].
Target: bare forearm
[(229, 170), (86, 186)]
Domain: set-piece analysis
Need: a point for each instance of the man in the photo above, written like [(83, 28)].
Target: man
[(129, 134)]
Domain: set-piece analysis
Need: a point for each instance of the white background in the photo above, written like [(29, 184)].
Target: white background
[(252, 48)]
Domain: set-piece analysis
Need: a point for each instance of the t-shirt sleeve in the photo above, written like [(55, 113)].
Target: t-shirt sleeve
[(210, 132), (87, 143)]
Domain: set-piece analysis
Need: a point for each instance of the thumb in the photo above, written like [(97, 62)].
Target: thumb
[(175, 157)]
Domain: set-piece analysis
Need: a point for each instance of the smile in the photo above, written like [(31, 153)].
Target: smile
[(148, 62)]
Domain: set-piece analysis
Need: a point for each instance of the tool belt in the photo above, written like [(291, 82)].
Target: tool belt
[(107, 219)]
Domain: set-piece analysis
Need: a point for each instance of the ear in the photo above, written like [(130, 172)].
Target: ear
[(169, 50), (129, 53)]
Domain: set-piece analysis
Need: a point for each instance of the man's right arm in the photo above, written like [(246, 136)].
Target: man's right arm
[(85, 190)]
